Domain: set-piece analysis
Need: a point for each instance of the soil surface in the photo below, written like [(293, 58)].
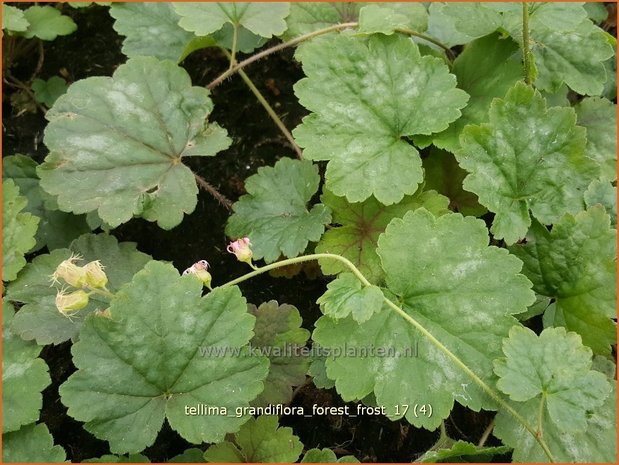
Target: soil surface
[(94, 49)]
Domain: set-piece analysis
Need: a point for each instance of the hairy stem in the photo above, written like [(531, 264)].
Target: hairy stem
[(235, 40), (103, 292), (269, 109), (427, 38), (222, 199), (487, 389), (526, 50)]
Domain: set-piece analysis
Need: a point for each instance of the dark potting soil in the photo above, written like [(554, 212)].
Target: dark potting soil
[(94, 49)]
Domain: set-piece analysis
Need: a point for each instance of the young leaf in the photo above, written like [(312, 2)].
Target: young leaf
[(259, 440), (24, 376), (463, 452), (126, 136), (318, 371), (144, 364), (39, 318), (366, 96), (386, 18), (18, 230), (47, 23), (13, 19), (462, 291), (31, 444), (150, 29), (553, 387), (263, 19), (362, 224), (554, 369), (192, 455), (274, 213), (47, 92), (56, 229), (599, 116), (576, 264), (605, 194), (278, 331), (326, 456), (444, 175), (486, 69), (516, 159), (346, 295)]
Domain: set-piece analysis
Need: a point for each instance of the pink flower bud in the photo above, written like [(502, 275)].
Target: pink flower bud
[(241, 248), (199, 269)]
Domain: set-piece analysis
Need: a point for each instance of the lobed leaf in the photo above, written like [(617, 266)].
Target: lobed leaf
[(109, 458), (47, 92), (278, 334), (346, 295), (24, 376), (360, 226), (463, 452), (13, 19), (39, 319), (31, 444), (386, 18), (144, 364), (575, 264), (513, 174), (117, 144), (366, 96), (605, 194), (47, 23), (259, 440), (599, 116), (463, 292), (274, 212), (18, 230), (326, 456)]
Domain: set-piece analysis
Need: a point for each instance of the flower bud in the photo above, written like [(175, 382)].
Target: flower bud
[(72, 274), (72, 302), (199, 269), (95, 276), (241, 248), (107, 313)]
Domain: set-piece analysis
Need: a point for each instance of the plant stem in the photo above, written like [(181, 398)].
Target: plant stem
[(410, 32), (269, 109), (277, 48), (222, 199), (487, 389), (486, 434), (235, 39), (526, 51), (540, 416), (102, 292)]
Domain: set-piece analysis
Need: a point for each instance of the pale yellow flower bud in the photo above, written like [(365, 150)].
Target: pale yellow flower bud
[(95, 276), (69, 272), (241, 248), (70, 303)]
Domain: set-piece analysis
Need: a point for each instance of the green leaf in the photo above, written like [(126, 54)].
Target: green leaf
[(47, 23), (109, 458), (597, 11), (610, 87), (462, 291), (193, 455), (145, 364), (605, 194), (150, 29), (56, 229), (39, 318), (47, 92), (326, 456), (318, 371), (274, 212), (513, 173), (18, 230), (486, 69), (575, 264), (346, 295), (386, 18), (441, 26), (263, 19), (277, 335), (599, 116), (32, 443), (24, 376), (361, 224), (117, 144), (259, 440), (578, 416), (554, 369), (444, 175), (307, 17), (463, 452), (13, 19), (366, 96)]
